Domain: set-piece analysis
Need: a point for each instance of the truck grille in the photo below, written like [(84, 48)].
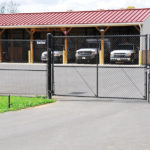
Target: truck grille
[(85, 53), (120, 55)]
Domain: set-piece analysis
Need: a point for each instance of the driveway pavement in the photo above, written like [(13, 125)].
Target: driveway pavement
[(79, 124)]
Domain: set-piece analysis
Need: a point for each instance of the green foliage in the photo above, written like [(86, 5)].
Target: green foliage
[(21, 102)]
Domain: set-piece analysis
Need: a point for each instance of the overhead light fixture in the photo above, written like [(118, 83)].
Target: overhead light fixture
[(102, 30)]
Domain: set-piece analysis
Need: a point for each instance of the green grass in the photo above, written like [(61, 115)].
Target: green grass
[(18, 103)]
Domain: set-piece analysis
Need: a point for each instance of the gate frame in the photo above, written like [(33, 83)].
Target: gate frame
[(50, 65)]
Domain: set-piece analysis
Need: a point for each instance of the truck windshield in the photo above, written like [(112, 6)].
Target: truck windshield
[(59, 48), (92, 45), (125, 47), (96, 43)]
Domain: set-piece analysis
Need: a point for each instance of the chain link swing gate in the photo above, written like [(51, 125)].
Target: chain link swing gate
[(93, 80)]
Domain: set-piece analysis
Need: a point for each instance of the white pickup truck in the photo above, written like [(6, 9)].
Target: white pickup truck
[(90, 53), (86, 55), (124, 53)]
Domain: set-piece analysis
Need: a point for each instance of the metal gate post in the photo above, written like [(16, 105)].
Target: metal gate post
[(97, 62), (146, 85), (52, 63), (49, 65), (148, 70)]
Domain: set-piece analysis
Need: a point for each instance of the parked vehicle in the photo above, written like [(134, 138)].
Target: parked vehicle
[(89, 54), (44, 56), (86, 55), (124, 53), (58, 55)]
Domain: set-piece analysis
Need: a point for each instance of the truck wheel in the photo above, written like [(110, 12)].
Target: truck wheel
[(132, 59), (77, 61), (113, 62)]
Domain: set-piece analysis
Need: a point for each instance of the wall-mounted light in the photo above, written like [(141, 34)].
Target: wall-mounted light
[(65, 32), (101, 30)]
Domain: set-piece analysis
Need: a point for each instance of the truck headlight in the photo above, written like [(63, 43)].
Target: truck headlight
[(111, 55), (76, 54), (94, 53), (129, 54), (57, 54)]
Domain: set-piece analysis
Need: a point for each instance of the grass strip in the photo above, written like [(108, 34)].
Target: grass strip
[(17, 102)]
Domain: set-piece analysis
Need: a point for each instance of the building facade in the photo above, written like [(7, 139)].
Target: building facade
[(21, 34)]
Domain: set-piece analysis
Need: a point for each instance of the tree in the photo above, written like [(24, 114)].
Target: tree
[(2, 8), (8, 7)]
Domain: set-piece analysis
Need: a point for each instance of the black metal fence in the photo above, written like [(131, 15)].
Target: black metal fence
[(79, 48), (121, 74), (23, 80)]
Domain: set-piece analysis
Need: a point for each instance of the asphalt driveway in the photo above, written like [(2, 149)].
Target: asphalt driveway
[(78, 125)]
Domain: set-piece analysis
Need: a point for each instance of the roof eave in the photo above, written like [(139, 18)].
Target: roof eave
[(70, 25)]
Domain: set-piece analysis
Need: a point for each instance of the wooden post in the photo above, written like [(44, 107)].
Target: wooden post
[(31, 51), (101, 53), (140, 57), (31, 46), (137, 28), (101, 61), (29, 56), (1, 59), (140, 51), (65, 51)]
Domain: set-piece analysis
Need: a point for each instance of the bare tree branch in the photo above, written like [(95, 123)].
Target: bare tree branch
[(3, 8), (9, 7)]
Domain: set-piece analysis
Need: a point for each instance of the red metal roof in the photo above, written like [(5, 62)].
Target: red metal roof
[(98, 17)]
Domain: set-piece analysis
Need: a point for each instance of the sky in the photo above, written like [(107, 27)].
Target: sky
[(26, 6)]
